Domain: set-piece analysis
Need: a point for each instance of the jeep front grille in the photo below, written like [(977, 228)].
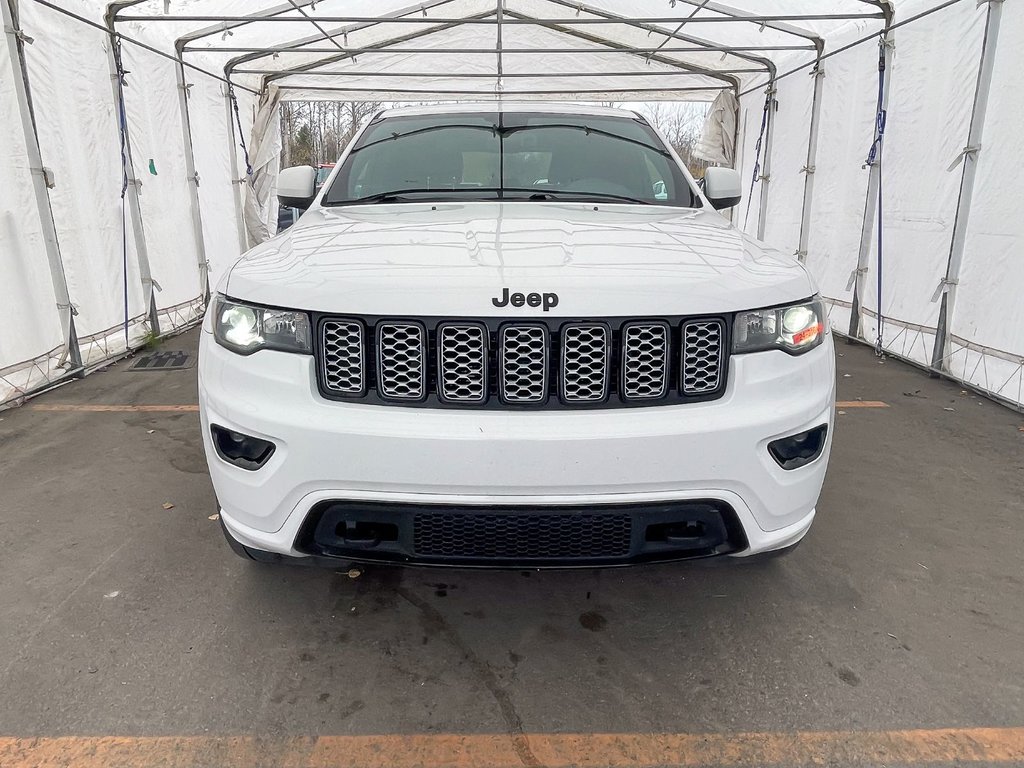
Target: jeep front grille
[(462, 362), (401, 360), (342, 357), (702, 357), (645, 361), (522, 364), (585, 363)]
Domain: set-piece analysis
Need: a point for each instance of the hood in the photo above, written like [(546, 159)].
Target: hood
[(458, 259)]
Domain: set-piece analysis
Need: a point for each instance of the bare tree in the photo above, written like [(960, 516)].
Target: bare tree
[(314, 132), (681, 124)]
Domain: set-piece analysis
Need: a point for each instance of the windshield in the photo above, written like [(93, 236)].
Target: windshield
[(510, 156)]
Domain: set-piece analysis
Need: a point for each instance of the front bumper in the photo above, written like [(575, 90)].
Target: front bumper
[(331, 452)]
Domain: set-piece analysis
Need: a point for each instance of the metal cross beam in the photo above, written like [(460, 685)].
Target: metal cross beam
[(715, 74), (461, 75), (767, 63), (341, 32), (316, 24), (482, 94), (778, 23), (270, 50), (304, 68), (767, 21), (602, 16), (223, 27)]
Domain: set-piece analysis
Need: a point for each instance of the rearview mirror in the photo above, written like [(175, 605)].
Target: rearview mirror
[(296, 186), (723, 187)]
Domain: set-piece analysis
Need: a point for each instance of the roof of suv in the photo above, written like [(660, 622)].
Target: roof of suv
[(519, 106)]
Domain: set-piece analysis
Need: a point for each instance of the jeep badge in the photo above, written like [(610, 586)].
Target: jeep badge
[(545, 300)]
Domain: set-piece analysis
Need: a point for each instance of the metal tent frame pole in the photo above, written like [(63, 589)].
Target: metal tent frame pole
[(307, 68), (777, 22), (191, 174), (606, 17), (809, 169), (766, 167), (378, 49), (298, 45), (387, 74), (669, 34), (499, 64), (773, 21), (236, 180), (859, 276), (507, 16), (132, 188), (192, 180), (112, 8), (444, 92), (947, 289), (803, 242), (181, 43), (15, 46)]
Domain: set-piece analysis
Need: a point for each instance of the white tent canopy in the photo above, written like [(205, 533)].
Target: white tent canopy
[(146, 143)]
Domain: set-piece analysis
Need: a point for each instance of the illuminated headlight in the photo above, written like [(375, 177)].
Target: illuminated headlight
[(795, 329), (244, 328)]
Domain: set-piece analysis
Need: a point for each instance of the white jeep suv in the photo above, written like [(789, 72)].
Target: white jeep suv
[(514, 336)]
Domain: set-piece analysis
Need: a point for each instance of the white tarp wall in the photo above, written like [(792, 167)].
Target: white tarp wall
[(129, 266), (932, 89), (989, 310), (77, 125), (31, 338), (69, 70)]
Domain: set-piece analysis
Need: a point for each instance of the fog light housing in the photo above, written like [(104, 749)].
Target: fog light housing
[(243, 451), (799, 450)]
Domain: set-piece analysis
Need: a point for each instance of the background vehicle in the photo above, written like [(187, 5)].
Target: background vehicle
[(323, 170)]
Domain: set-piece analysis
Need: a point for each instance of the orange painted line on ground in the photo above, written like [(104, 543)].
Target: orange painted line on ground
[(91, 408), (979, 746)]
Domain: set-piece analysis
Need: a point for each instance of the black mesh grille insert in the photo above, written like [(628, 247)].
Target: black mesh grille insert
[(497, 536)]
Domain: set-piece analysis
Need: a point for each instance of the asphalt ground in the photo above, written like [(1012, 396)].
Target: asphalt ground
[(131, 636)]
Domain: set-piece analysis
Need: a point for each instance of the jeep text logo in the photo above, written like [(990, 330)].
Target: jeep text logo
[(545, 300)]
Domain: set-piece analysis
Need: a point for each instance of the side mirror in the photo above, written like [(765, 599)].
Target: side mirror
[(723, 187), (296, 187)]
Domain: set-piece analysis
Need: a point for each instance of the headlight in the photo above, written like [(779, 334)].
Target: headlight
[(795, 329), (244, 329)]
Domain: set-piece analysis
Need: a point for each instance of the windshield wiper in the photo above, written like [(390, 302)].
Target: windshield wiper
[(506, 130), (493, 129), (401, 195), (458, 194), (574, 195)]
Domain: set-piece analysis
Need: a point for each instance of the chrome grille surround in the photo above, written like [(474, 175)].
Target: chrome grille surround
[(523, 367), (586, 362), (702, 356), (646, 355), (401, 360), (343, 359), (462, 362)]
